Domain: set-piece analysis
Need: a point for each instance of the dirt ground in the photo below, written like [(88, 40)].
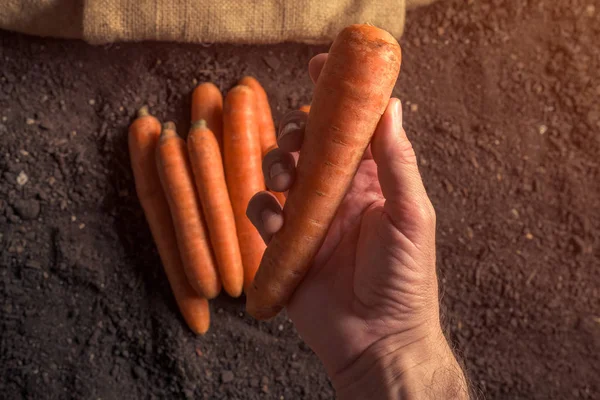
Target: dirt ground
[(501, 101)]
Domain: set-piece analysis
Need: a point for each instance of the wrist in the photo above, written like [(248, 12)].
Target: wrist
[(421, 367)]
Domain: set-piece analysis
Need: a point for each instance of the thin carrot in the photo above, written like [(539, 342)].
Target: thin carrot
[(305, 108), (243, 171), (207, 104), (268, 139), (207, 165), (351, 94), (178, 183), (143, 140)]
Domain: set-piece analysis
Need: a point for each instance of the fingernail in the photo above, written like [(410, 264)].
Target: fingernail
[(272, 221), (276, 169), (398, 112), (287, 128)]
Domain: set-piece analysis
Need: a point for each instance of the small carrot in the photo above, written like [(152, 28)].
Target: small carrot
[(143, 140), (178, 183), (207, 104), (209, 176), (305, 108), (268, 139), (243, 171), (350, 96)]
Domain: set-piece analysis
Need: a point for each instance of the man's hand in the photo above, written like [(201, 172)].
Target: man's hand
[(369, 305)]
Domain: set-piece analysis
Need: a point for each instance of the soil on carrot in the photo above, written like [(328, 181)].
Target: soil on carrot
[(501, 102)]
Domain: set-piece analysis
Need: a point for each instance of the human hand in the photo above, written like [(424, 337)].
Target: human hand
[(368, 307)]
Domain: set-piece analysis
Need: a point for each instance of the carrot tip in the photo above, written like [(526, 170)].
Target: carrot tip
[(143, 112), (200, 124)]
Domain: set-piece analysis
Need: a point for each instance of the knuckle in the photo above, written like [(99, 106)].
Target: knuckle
[(423, 213)]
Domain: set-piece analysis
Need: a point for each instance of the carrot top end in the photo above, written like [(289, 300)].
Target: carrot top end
[(143, 112), (199, 124), (168, 130)]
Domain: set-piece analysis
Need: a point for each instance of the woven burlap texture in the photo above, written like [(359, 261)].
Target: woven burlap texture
[(201, 21)]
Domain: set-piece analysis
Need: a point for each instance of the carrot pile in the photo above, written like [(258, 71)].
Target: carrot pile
[(195, 193)]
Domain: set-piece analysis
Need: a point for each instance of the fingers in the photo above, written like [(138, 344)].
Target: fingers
[(291, 131), (264, 211), (315, 65), (401, 183), (279, 170)]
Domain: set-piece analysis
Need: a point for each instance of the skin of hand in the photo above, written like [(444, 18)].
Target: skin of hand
[(369, 305)]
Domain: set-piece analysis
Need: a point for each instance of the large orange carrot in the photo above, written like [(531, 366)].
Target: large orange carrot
[(243, 171), (178, 183), (351, 94), (207, 165), (268, 139), (207, 104), (143, 140)]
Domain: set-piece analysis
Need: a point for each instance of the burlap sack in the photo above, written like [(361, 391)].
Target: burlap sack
[(201, 21)]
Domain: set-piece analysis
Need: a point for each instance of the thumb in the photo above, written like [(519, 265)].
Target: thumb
[(406, 199)]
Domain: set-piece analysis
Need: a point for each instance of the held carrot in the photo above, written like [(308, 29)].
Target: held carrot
[(207, 104), (351, 94), (207, 166), (268, 139), (143, 140), (243, 171), (178, 183)]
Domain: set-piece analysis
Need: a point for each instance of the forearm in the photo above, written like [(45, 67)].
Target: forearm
[(424, 369)]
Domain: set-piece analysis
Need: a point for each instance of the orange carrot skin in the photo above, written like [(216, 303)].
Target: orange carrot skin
[(207, 104), (264, 118), (243, 172), (178, 183), (143, 140), (305, 108), (351, 94), (268, 138), (209, 175)]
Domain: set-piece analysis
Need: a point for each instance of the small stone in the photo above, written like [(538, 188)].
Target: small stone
[(470, 232), (30, 121), (590, 10), (542, 129), (92, 102), (73, 218), (139, 372), (24, 153), (515, 212), (448, 186), (529, 236), (27, 209), (22, 178), (226, 376), (414, 107), (280, 327), (272, 61), (81, 226)]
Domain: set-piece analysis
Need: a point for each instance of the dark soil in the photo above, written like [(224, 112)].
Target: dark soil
[(501, 102)]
